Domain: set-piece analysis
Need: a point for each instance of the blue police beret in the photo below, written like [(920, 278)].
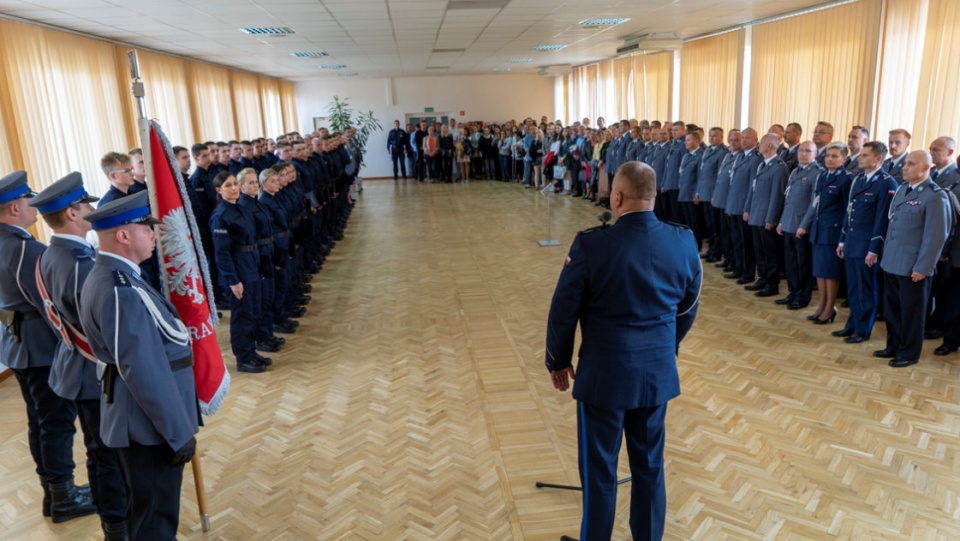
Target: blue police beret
[(132, 209), (14, 186), (61, 194)]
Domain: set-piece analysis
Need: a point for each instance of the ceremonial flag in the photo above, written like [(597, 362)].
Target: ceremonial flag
[(185, 273)]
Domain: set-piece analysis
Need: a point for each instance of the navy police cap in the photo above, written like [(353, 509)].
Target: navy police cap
[(14, 186), (61, 194), (132, 209)]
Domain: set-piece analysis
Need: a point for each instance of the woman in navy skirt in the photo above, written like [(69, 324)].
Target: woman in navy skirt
[(824, 221)]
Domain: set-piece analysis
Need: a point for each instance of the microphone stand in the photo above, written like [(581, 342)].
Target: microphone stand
[(550, 241)]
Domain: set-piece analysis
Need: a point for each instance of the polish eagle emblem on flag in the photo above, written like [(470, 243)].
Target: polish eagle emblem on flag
[(180, 268)]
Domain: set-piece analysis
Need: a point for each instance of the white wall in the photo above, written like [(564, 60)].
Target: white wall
[(490, 98)]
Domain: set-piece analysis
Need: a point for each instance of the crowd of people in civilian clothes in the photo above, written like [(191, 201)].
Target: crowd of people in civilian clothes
[(865, 220)]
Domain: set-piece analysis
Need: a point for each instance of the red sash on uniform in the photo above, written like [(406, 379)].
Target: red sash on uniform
[(71, 336)]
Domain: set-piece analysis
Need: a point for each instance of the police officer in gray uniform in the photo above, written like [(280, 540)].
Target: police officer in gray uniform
[(798, 252), (28, 347), (150, 411), (762, 211), (920, 219), (945, 173), (61, 272)]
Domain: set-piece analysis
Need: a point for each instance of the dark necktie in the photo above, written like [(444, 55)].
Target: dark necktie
[(934, 174)]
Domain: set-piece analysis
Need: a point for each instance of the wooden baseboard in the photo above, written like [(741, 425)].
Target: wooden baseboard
[(5, 374)]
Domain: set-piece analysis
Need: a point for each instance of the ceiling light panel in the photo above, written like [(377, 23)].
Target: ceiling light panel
[(268, 31)]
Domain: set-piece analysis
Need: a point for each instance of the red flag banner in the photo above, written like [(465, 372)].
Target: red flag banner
[(185, 273)]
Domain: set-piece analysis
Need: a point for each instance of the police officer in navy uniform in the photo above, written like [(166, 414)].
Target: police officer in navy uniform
[(688, 181), (28, 347), (862, 240), (710, 165), (62, 271), (149, 408), (920, 221), (633, 311), (397, 142), (946, 175)]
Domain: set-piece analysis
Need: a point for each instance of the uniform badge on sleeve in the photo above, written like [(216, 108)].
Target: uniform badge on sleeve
[(566, 261)]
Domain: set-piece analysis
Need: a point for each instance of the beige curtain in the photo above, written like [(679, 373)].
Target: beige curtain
[(709, 80), (246, 104), (819, 66), (271, 106), (288, 102), (167, 95), (657, 86), (212, 103), (938, 106)]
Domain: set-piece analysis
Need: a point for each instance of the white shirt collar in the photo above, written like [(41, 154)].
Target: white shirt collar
[(133, 266), (20, 228), (768, 160), (74, 238), (900, 159)]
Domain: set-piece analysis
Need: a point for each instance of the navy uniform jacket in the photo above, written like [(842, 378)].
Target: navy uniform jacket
[(202, 182), (252, 163), (689, 178), (724, 174), (709, 169), (152, 403), (264, 229), (659, 163), (18, 292), (235, 244), (113, 194), (741, 181), (64, 267), (397, 141), (920, 222), (790, 157), (895, 168), (235, 166), (798, 197), (279, 226), (824, 218), (765, 199), (633, 311), (852, 165), (671, 171), (865, 223)]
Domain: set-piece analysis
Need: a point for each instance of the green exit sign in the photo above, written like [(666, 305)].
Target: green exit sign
[(428, 109)]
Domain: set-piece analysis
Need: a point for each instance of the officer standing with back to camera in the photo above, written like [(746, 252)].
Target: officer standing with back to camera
[(633, 311), (149, 406), (28, 347), (61, 271)]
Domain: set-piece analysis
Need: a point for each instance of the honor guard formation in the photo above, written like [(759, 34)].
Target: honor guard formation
[(89, 334)]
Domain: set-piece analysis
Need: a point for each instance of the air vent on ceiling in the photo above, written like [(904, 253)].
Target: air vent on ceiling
[(353, 74), (310, 54), (602, 22), (650, 43), (500, 69), (476, 4), (332, 66), (449, 50), (269, 31), (438, 67), (553, 71), (549, 47), (520, 60)]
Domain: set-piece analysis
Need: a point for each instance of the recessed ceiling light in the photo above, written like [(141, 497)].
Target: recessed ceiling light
[(354, 74), (501, 69), (310, 54), (548, 47), (520, 60), (602, 22), (332, 66), (268, 31)]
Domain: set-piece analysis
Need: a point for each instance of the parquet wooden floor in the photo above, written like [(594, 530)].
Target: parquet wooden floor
[(413, 405)]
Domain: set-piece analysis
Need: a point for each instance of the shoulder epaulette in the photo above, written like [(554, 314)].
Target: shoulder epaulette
[(679, 226), (120, 279), (593, 229), (80, 253)]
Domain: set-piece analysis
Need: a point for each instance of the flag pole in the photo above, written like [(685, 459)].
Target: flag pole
[(143, 128)]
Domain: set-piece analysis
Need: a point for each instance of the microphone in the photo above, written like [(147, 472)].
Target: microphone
[(605, 217)]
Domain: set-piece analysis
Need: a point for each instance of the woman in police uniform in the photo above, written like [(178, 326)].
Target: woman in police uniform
[(238, 263)]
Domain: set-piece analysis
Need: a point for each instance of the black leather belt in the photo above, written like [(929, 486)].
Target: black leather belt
[(245, 249), (181, 364)]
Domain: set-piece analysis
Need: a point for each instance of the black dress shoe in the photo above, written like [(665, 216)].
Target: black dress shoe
[(901, 363), (268, 347), (784, 301), (812, 317), (758, 286), (733, 276), (932, 335), (722, 264), (842, 333), (797, 305), (880, 317), (568, 538), (712, 259), (768, 292), (885, 353), (251, 367), (265, 361), (944, 350), (856, 339)]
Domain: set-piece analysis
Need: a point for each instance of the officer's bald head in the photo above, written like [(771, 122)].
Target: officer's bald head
[(916, 166), (634, 188)]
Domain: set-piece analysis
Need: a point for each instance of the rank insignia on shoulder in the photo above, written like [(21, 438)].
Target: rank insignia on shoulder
[(681, 226), (594, 228), (121, 279)]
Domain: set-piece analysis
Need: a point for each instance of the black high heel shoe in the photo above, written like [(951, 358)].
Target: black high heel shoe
[(813, 317), (819, 321)]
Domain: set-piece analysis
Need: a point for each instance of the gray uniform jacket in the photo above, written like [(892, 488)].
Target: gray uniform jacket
[(741, 179), (689, 175), (920, 222), (709, 168), (133, 328), (724, 175), (37, 345), (765, 199), (798, 199), (64, 267)]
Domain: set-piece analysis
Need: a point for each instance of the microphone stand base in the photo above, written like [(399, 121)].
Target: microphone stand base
[(543, 243)]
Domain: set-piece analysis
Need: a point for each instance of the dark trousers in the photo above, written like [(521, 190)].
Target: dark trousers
[(103, 466), (673, 206), (798, 258), (862, 294), (50, 425), (398, 163), (268, 296), (724, 243), (765, 250), (742, 241), (281, 283), (905, 312), (939, 297), (951, 324), (244, 314), (689, 216), (660, 206), (600, 434), (421, 165), (736, 242), (153, 486), (712, 229)]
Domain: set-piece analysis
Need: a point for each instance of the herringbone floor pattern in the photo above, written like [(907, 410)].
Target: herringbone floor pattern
[(413, 405)]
